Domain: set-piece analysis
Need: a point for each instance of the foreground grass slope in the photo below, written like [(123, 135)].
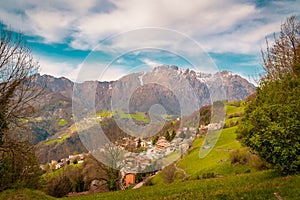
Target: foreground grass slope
[(258, 185), (24, 194)]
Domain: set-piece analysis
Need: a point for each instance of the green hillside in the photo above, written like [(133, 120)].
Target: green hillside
[(217, 162), (229, 171), (215, 176)]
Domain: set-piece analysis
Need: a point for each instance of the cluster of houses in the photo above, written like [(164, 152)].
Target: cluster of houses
[(146, 160), (57, 164), (138, 162), (213, 126)]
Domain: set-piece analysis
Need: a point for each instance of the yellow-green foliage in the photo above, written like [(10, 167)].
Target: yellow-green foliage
[(62, 122), (104, 113)]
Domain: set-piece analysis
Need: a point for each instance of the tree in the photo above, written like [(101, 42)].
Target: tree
[(154, 139), (113, 156), (173, 135), (283, 57), (139, 143), (271, 124), (167, 136), (17, 93), (59, 186)]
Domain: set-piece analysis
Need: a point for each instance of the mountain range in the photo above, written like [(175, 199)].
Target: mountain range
[(52, 127)]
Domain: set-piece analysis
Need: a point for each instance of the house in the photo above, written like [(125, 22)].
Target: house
[(129, 179), (43, 167), (162, 144), (53, 162), (59, 165)]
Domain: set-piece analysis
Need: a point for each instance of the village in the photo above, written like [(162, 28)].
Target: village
[(153, 157)]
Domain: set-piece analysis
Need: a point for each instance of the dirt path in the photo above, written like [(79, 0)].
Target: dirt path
[(140, 184), (149, 177), (180, 169)]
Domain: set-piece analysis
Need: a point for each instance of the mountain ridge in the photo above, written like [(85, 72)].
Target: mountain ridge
[(56, 103)]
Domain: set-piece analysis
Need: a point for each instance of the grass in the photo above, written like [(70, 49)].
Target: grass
[(62, 122), (59, 171), (217, 158), (259, 185), (58, 140), (230, 109), (231, 120), (24, 194), (104, 113), (217, 161), (139, 116)]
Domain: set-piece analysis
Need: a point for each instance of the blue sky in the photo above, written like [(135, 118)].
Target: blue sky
[(84, 37)]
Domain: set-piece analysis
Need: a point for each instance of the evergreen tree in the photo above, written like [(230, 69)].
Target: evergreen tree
[(167, 136)]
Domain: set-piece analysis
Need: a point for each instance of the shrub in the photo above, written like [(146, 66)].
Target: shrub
[(59, 186), (239, 157), (245, 157), (208, 175), (169, 173)]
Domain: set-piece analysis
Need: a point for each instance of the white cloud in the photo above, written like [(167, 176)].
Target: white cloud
[(58, 69), (219, 26), (151, 63), (226, 26), (113, 73), (97, 71), (81, 72)]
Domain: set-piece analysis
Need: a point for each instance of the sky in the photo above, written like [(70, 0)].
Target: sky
[(106, 39)]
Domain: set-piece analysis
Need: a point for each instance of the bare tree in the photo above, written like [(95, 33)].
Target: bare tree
[(17, 92), (282, 57)]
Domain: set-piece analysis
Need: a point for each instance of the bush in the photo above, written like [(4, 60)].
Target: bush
[(169, 173), (208, 175), (239, 157), (59, 186), (245, 157)]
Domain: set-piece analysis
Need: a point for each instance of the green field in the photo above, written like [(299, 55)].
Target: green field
[(59, 171), (58, 140), (230, 109), (217, 161), (138, 116)]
